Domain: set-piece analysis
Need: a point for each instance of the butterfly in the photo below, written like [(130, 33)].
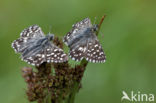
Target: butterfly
[(36, 48), (83, 42)]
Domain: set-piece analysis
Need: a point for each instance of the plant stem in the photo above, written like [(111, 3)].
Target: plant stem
[(72, 94), (48, 97)]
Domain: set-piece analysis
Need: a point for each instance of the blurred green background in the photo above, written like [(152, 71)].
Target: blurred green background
[(129, 42)]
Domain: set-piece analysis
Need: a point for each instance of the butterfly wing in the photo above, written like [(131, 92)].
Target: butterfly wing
[(83, 24), (78, 53), (32, 31), (55, 55), (76, 28), (94, 52), (51, 54), (37, 59), (91, 50), (26, 35)]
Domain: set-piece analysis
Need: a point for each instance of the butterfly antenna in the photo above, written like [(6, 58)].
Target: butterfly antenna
[(95, 20), (99, 25), (50, 29)]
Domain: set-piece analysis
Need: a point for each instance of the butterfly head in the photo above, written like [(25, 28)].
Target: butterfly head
[(50, 36), (95, 27)]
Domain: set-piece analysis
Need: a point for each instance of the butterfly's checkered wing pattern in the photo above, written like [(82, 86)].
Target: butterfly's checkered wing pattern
[(76, 28), (37, 59), (50, 54), (95, 53), (36, 48), (56, 55), (17, 44), (83, 43), (32, 31), (26, 35), (83, 24), (91, 51), (78, 53)]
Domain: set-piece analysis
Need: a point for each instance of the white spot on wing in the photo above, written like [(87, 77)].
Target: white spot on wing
[(96, 45)]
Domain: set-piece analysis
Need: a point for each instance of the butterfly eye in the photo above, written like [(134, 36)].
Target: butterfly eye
[(95, 27), (50, 36)]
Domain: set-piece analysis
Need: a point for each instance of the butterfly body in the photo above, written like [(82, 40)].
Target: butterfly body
[(36, 48), (83, 42)]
